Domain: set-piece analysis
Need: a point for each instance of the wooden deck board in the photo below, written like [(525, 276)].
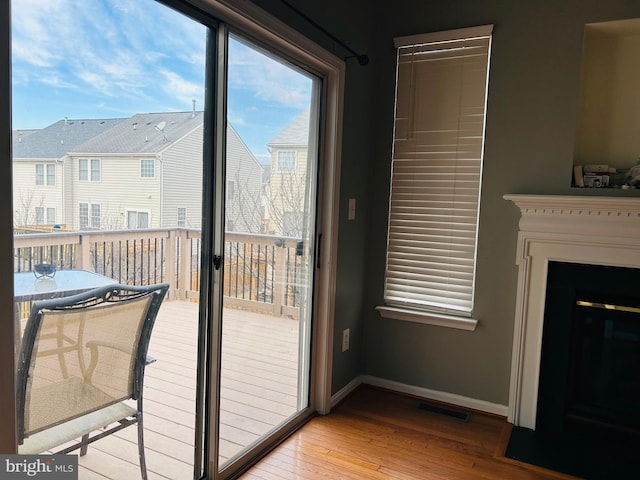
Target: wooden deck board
[(259, 385)]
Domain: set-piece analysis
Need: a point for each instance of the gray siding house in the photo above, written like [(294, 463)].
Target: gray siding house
[(39, 158), (138, 174), (141, 172), (285, 193)]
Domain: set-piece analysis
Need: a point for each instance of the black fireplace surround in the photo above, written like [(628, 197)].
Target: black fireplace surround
[(588, 412)]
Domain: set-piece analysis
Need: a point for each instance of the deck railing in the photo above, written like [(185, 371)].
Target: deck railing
[(261, 272)]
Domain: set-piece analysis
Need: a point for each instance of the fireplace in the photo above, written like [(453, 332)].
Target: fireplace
[(588, 230), (574, 387), (590, 357)]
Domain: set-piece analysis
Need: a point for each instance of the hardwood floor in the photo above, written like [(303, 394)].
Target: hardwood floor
[(376, 434), (373, 434)]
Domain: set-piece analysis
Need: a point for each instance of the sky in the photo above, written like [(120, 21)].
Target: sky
[(115, 58)]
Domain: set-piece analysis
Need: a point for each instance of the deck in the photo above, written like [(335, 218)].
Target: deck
[(259, 384)]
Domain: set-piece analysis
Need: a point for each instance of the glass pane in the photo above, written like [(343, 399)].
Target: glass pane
[(269, 236), (108, 99)]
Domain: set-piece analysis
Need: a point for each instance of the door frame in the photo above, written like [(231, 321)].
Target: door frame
[(260, 27)]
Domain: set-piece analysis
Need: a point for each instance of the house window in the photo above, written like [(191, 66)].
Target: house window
[(137, 219), (86, 220), (49, 178), (436, 172), (89, 171), (95, 215), (39, 215), (51, 174), (182, 217), (286, 161), (147, 168), (51, 216), (95, 170), (39, 174), (83, 215)]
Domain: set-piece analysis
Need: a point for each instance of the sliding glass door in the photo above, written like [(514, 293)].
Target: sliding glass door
[(152, 146), (270, 217), (108, 165)]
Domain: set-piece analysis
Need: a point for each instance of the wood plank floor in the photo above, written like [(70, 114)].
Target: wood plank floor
[(259, 382), (375, 434)]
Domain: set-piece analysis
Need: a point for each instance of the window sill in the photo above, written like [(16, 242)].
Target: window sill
[(428, 318)]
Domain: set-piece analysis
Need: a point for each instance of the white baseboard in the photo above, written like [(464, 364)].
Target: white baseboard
[(346, 390), (426, 393)]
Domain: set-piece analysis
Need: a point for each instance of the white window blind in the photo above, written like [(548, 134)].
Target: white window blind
[(436, 170)]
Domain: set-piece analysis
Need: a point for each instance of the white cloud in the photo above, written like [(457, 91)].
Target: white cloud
[(181, 88), (267, 79), (107, 48)]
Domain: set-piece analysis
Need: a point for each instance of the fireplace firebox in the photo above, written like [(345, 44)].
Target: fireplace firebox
[(590, 362), (588, 422)]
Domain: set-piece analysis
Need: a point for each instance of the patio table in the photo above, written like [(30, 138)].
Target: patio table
[(27, 287)]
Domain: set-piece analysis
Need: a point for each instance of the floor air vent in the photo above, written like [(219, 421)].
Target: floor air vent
[(450, 412)]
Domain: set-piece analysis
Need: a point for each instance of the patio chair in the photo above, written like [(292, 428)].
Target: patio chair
[(81, 368)]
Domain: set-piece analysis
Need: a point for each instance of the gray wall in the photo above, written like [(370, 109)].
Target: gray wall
[(532, 103)]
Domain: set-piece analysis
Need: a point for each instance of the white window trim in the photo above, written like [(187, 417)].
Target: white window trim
[(294, 161), (184, 209), (450, 319), (142, 160), (428, 318), (137, 211), (91, 162), (88, 216), (92, 216), (49, 210), (45, 174), (39, 215), (48, 167), (89, 170)]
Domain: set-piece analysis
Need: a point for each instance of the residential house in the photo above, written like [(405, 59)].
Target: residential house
[(285, 196), (129, 176), (126, 177), (532, 107), (38, 164), (244, 209)]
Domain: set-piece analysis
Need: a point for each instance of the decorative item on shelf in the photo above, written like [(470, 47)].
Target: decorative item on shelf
[(597, 176), (632, 178), (578, 177), (47, 270), (594, 180)]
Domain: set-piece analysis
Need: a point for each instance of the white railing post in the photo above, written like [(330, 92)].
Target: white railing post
[(171, 259), (84, 252), (184, 279), (279, 278)]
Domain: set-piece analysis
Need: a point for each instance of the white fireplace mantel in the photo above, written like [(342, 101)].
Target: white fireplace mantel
[(589, 230)]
